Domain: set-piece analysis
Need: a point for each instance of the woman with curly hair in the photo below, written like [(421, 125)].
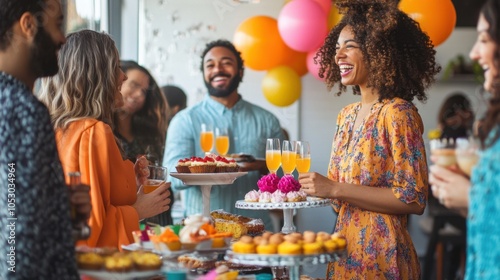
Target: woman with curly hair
[(479, 197), (81, 99), (141, 123), (378, 172)]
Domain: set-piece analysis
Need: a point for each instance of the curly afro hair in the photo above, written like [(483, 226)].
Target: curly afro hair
[(399, 56)]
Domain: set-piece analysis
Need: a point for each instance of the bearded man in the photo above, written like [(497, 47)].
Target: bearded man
[(248, 128)]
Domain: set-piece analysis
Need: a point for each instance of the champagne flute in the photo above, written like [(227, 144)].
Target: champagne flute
[(221, 141), (206, 137), (288, 157), (273, 154), (303, 156)]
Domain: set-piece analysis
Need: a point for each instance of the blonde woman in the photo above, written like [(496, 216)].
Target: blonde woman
[(81, 99)]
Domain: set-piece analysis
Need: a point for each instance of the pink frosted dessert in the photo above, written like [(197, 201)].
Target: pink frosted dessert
[(268, 183), (302, 194), (294, 197), (288, 184), (278, 197), (252, 196), (265, 197)]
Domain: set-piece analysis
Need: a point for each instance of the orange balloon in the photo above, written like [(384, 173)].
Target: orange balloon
[(437, 18), (297, 61), (333, 17), (260, 43)]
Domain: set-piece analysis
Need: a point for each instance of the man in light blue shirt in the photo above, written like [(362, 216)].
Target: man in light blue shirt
[(248, 127)]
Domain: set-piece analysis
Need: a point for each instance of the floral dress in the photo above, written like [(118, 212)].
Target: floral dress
[(386, 151)]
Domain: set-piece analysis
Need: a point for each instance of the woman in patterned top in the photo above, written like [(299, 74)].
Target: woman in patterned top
[(479, 197), (81, 99), (378, 172)]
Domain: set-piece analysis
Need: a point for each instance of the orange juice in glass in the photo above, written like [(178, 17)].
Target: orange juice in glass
[(288, 157), (273, 154), (157, 175), (444, 152), (221, 141), (206, 138), (303, 160), (467, 154)]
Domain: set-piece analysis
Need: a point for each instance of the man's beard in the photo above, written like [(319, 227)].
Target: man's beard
[(220, 92), (43, 59)]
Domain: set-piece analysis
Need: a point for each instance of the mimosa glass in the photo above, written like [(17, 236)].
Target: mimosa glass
[(273, 154), (444, 151), (303, 156), (288, 157), (466, 153), (221, 141), (157, 175), (206, 137)]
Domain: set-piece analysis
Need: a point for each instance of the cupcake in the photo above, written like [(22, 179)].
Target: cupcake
[(244, 246), (278, 197), (265, 247), (89, 261), (203, 165), (288, 184), (291, 246), (119, 262), (183, 165), (147, 261), (294, 197), (265, 197), (252, 196), (268, 183)]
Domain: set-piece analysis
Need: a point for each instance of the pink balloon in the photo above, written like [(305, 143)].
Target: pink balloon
[(311, 66), (303, 25), (325, 5)]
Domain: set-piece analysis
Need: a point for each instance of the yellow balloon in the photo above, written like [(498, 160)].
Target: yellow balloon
[(282, 86), (333, 17)]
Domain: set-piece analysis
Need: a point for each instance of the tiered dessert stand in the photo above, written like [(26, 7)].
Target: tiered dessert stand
[(288, 207), (206, 181)]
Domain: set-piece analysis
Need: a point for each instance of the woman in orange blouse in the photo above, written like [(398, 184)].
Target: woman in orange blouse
[(81, 99), (378, 172)]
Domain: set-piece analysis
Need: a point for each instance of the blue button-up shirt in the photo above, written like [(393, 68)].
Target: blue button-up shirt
[(248, 127)]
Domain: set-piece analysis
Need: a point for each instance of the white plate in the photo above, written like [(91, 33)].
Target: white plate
[(311, 202), (208, 178), (284, 260), (137, 247), (102, 274)]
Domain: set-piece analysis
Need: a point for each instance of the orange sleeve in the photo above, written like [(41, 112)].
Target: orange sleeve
[(112, 188)]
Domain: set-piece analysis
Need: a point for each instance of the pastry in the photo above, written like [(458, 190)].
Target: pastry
[(265, 197), (294, 197), (183, 165), (196, 262), (146, 261), (244, 246), (313, 247), (252, 196), (236, 228), (202, 165), (289, 248), (266, 248), (236, 224), (278, 197), (119, 262), (89, 261)]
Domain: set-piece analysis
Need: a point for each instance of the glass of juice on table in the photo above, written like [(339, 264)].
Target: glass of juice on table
[(444, 152), (303, 160), (467, 154), (206, 137), (273, 154), (288, 157), (221, 141), (157, 175)]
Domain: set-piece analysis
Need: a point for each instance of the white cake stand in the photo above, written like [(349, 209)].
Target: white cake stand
[(291, 262), (288, 226), (206, 181)]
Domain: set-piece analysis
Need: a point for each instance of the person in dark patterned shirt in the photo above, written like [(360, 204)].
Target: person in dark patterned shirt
[(35, 223)]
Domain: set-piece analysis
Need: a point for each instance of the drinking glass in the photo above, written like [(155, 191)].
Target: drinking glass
[(303, 156), (206, 137), (273, 154), (80, 228), (157, 175), (466, 153), (221, 141), (288, 157), (444, 152)]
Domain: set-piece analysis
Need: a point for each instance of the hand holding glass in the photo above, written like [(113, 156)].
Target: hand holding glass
[(80, 228), (206, 137), (303, 156), (288, 157), (157, 175), (273, 154), (221, 141)]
